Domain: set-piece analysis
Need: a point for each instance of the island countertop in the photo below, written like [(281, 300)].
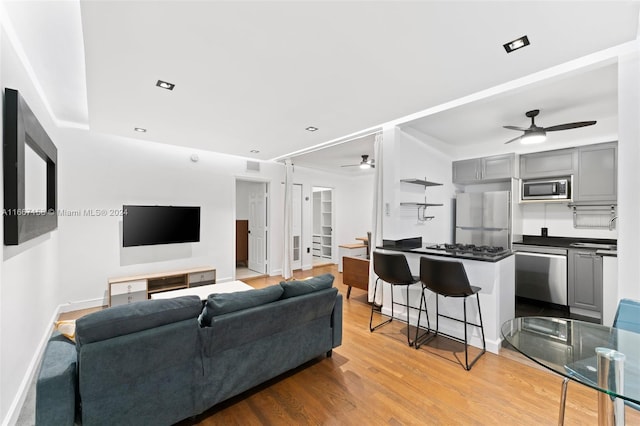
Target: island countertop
[(427, 249), (495, 277)]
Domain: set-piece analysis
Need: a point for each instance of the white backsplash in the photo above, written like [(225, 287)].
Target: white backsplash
[(558, 219)]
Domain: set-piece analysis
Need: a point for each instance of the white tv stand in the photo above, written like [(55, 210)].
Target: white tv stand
[(125, 290)]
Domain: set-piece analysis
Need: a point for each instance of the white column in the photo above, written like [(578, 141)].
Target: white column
[(628, 175)]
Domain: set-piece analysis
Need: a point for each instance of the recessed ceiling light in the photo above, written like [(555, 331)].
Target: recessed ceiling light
[(311, 129), (165, 85), (140, 129), (516, 44), (254, 151)]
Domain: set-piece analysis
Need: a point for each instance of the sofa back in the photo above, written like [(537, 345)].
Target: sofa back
[(138, 362), (245, 348), (242, 327), (126, 319)]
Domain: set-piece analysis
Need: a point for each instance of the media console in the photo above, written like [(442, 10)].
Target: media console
[(125, 290)]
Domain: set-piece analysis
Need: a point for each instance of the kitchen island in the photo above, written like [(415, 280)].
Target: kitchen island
[(495, 274)]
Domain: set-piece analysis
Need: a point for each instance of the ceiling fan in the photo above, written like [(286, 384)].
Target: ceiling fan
[(536, 134), (364, 164)]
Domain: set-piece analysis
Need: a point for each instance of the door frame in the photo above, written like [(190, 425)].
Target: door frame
[(334, 254), (267, 251)]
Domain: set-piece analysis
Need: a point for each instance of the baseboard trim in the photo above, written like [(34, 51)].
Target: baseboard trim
[(83, 304), (16, 405)]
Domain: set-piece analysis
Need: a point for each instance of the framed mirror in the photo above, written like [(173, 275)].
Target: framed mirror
[(30, 173)]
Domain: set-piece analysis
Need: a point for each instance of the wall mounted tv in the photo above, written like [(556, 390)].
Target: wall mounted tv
[(152, 225)]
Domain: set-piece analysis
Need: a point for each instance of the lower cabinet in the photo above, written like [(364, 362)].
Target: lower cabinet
[(584, 280)]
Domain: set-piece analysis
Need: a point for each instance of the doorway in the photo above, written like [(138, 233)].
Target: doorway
[(322, 238), (252, 230)]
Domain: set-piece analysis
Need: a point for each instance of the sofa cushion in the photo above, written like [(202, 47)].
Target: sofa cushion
[(309, 285), (223, 303), (126, 319)]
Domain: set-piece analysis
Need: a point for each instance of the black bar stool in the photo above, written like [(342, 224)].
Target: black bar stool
[(394, 269), (449, 279)]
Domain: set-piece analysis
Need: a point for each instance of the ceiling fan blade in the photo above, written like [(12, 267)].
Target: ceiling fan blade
[(514, 139), (351, 165), (516, 128), (568, 126)]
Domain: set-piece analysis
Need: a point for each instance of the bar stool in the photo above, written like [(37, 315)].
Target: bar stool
[(449, 279), (394, 269)]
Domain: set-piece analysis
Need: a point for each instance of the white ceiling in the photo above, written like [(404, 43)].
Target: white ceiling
[(580, 96), (254, 75)]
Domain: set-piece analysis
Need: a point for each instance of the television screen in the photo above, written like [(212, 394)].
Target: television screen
[(151, 225)]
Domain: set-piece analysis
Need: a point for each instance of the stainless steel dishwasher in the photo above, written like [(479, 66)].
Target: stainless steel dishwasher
[(541, 273)]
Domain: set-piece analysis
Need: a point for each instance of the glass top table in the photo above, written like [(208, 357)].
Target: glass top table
[(604, 358)]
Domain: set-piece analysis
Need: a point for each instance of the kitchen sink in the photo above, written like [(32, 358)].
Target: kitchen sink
[(595, 246)]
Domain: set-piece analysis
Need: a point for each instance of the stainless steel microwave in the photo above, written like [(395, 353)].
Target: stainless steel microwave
[(556, 189)]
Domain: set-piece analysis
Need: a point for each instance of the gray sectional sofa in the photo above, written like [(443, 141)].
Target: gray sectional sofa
[(160, 361)]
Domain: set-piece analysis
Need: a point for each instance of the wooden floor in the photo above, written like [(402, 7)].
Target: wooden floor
[(377, 379)]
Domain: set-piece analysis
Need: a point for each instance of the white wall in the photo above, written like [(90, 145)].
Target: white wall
[(407, 157), (352, 203), (629, 175), (104, 172), (242, 199), (558, 218), (29, 280)]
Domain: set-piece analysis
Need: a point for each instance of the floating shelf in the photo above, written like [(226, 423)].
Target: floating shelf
[(421, 204), (420, 182)]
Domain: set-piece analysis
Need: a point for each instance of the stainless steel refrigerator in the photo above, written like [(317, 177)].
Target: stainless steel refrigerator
[(484, 218)]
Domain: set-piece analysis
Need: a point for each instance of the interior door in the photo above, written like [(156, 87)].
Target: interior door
[(258, 228)]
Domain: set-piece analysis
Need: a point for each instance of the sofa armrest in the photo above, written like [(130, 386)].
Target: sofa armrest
[(336, 321), (57, 383)]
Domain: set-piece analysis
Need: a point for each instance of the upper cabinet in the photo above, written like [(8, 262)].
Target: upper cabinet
[(561, 162), (597, 177), (594, 169), (482, 170)]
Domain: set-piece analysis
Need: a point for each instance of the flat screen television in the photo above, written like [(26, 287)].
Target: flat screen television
[(152, 225)]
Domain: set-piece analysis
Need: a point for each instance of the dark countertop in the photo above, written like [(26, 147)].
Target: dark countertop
[(565, 242), (469, 256)]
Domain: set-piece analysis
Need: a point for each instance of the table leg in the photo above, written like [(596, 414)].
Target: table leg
[(610, 376), (563, 400)]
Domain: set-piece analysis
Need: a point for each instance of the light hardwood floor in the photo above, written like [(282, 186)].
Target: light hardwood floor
[(376, 379)]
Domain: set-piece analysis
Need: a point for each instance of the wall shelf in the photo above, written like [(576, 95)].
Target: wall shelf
[(422, 182), (421, 206)]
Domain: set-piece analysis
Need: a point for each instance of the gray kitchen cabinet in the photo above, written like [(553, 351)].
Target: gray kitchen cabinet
[(485, 169), (584, 280), (560, 162), (597, 177)]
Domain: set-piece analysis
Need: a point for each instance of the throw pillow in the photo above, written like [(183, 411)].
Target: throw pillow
[(309, 285), (67, 328), (223, 303)]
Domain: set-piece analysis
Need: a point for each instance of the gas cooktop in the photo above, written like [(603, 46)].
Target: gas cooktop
[(469, 248)]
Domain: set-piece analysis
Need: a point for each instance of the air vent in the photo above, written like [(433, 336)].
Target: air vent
[(253, 166)]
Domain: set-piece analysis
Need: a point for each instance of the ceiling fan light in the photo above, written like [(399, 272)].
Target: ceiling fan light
[(533, 138), (365, 166)]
